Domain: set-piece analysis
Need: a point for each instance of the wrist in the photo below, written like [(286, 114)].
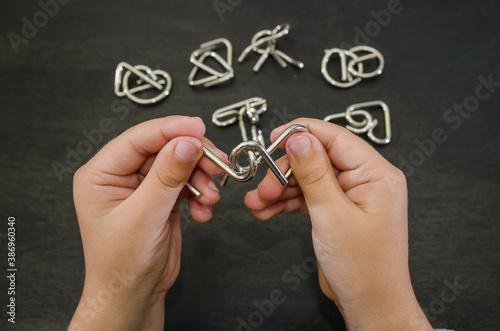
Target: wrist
[(109, 309), (397, 311)]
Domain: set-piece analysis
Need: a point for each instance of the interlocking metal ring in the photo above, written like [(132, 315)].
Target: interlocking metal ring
[(251, 109), (347, 79), (352, 71), (372, 54), (256, 154), (208, 50), (148, 80)]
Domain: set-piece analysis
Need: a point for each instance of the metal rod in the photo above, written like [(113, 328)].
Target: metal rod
[(251, 149)]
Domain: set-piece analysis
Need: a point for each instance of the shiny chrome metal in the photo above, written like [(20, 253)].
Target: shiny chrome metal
[(356, 127), (148, 79), (193, 190), (352, 70), (251, 149), (346, 79), (387, 120), (368, 124), (208, 49), (269, 38), (257, 155), (251, 109), (372, 54)]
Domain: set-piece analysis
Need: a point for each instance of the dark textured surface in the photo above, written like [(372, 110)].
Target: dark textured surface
[(61, 82)]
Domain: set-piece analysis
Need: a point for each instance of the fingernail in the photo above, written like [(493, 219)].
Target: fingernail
[(206, 208), (186, 151), (299, 145), (211, 185)]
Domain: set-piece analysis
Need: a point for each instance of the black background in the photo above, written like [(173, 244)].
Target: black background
[(61, 82)]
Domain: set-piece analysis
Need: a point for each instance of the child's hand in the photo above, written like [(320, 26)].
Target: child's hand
[(357, 202), (127, 200)]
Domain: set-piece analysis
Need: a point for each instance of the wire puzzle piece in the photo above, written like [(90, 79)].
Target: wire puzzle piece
[(256, 154), (148, 80), (368, 124), (208, 50), (251, 109), (351, 65), (269, 37)]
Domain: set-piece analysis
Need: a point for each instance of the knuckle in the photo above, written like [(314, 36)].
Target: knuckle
[(170, 179), (79, 175), (395, 178), (398, 175), (315, 173)]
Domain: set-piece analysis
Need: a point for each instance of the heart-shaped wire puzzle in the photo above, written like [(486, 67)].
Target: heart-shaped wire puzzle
[(148, 79)]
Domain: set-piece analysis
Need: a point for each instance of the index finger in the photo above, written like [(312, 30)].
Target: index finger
[(346, 150), (125, 154)]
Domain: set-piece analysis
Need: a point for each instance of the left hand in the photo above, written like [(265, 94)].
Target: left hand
[(127, 200)]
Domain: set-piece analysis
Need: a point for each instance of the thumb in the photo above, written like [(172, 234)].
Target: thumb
[(157, 194), (313, 170)]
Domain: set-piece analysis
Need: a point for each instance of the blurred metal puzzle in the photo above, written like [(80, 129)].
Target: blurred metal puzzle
[(368, 124), (269, 38), (251, 109), (352, 71), (148, 79), (208, 50)]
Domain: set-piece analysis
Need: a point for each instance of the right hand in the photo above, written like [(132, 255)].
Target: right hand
[(357, 202)]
